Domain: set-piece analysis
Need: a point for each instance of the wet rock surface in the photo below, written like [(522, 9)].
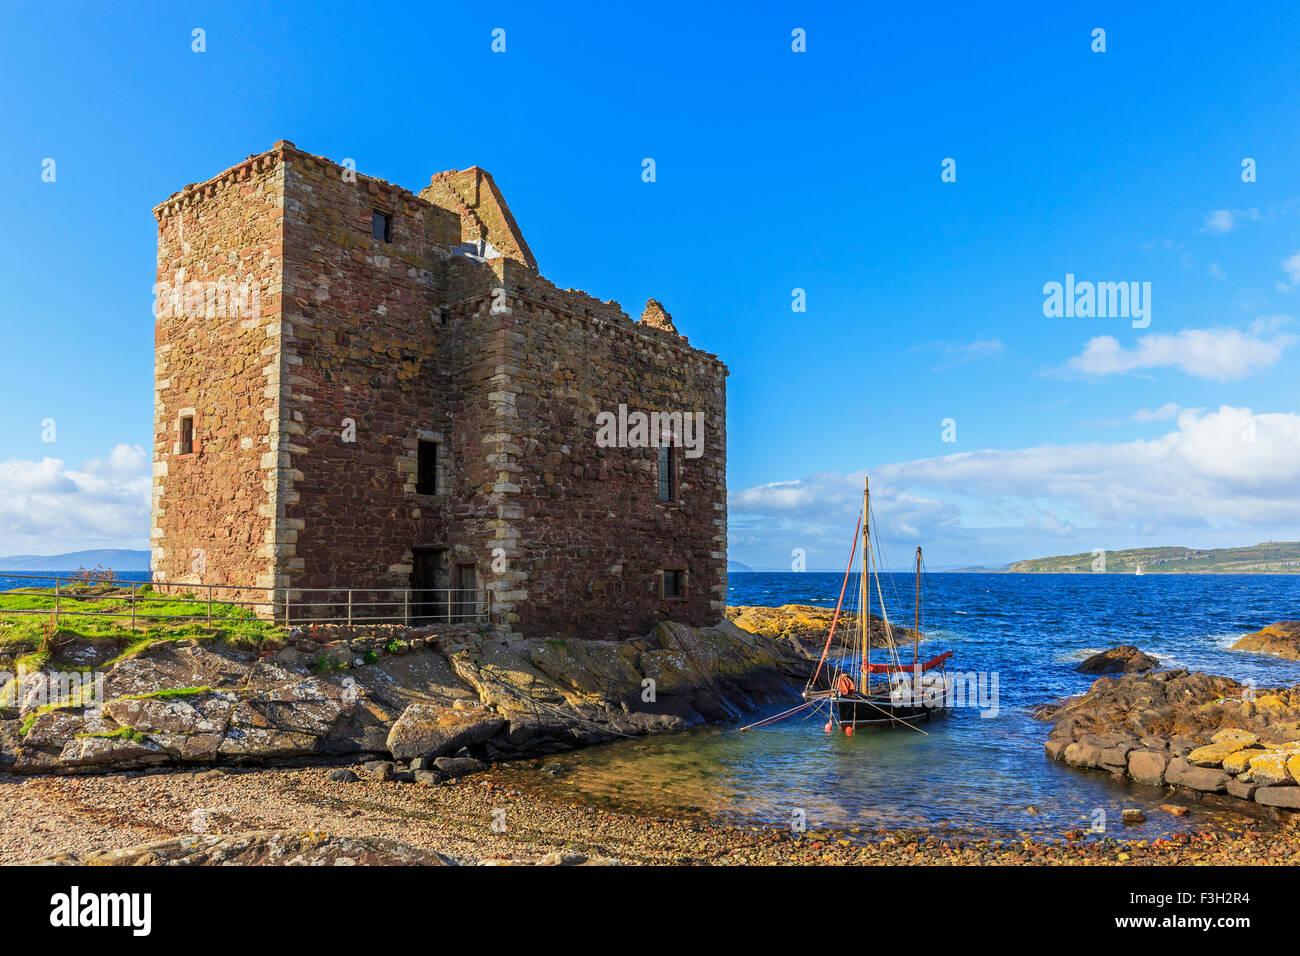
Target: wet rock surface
[(1125, 659)]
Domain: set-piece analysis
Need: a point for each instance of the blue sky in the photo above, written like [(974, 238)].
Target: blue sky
[(776, 170)]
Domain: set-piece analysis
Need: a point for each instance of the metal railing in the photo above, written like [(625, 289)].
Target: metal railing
[(146, 601)]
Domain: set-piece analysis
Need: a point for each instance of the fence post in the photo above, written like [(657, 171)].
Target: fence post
[(209, 607), (406, 606), (349, 607), (133, 587), (450, 595), (286, 605), (56, 602)]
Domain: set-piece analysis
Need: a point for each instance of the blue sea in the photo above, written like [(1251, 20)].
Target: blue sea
[(971, 775), (46, 579)]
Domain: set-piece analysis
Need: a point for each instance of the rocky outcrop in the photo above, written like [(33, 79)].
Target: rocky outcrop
[(439, 701), (430, 730), (1194, 731), (1125, 659), (805, 627), (1281, 640)]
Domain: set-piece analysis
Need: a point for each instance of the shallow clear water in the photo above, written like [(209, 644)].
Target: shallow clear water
[(971, 774)]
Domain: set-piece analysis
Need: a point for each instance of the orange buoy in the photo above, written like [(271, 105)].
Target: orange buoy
[(848, 730), (829, 726)]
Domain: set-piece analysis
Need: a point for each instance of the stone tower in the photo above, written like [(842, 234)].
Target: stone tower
[(360, 387)]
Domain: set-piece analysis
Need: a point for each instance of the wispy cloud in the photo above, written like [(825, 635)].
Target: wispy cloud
[(952, 354), (1221, 355), (1164, 412)]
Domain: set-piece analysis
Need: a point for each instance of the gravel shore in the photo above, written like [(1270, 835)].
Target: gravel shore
[(478, 819)]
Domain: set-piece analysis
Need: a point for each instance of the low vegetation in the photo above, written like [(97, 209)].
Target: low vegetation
[(94, 612)]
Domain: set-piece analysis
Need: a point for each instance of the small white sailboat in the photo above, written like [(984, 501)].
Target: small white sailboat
[(1139, 569)]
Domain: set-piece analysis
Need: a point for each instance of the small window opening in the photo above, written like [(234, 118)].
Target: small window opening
[(187, 435), (674, 585), (667, 474), (426, 480), (381, 226)]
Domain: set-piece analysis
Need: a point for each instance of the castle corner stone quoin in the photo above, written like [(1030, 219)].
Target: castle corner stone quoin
[(361, 387)]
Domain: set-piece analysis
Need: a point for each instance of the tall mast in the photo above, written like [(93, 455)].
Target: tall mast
[(916, 638), (865, 603)]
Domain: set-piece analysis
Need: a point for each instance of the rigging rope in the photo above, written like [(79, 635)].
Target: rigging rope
[(839, 604)]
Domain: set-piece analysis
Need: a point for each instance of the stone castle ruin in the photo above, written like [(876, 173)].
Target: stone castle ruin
[(361, 387)]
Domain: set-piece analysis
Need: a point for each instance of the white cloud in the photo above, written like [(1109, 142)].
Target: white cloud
[(1227, 474), (48, 508), (1226, 220), (1166, 411), (1291, 266), (1219, 354)]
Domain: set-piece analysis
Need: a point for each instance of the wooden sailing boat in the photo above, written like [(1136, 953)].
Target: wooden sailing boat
[(861, 692)]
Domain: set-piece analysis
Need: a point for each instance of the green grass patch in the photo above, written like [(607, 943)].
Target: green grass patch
[(170, 693)]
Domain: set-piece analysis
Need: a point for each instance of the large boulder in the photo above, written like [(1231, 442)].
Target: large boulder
[(1213, 754), (429, 730), (1281, 639), (1184, 774), (1148, 766), (1272, 769), (1125, 659), (1287, 797)]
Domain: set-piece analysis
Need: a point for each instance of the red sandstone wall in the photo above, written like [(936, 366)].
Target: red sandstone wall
[(588, 535), (211, 523), (569, 537), (366, 343)]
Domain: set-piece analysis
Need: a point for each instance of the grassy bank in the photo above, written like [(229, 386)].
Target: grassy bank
[(32, 634)]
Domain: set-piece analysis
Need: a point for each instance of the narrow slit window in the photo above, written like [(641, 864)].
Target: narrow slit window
[(381, 226), (667, 474), (187, 435), (426, 481), (674, 585)]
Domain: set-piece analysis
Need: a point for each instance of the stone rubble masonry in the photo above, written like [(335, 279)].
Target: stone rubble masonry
[(410, 340)]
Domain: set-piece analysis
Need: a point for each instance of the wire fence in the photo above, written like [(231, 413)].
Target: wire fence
[(150, 601)]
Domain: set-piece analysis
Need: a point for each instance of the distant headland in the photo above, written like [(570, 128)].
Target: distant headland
[(1273, 557), (118, 559)]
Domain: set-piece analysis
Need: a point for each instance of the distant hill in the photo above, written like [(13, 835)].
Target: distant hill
[(1274, 557), (117, 559), (735, 567)]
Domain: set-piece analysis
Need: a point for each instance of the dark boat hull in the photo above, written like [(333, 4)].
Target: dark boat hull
[(883, 710)]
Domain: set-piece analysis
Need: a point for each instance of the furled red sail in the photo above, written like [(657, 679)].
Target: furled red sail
[(906, 668)]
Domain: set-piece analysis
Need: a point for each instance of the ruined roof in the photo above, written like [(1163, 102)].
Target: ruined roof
[(483, 211), (657, 317)]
